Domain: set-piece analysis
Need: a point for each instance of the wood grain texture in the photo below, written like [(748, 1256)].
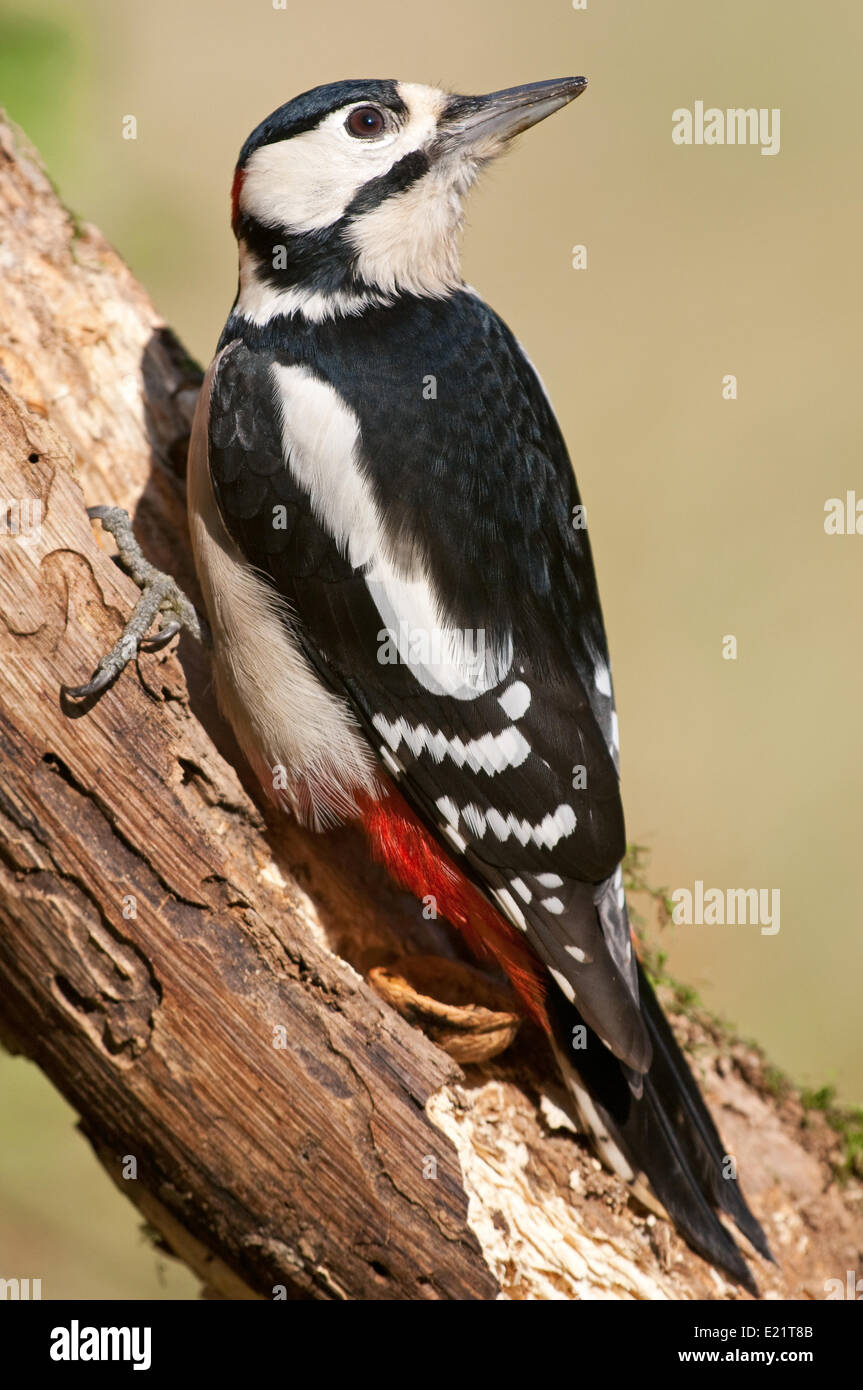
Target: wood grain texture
[(189, 967), (155, 960)]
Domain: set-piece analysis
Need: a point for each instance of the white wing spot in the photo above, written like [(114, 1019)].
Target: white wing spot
[(448, 810), (492, 753), (522, 889), (602, 680), (515, 701), (550, 829), (474, 820), (552, 905), (454, 838), (513, 745), (576, 953), (562, 983), (392, 763), (549, 880), (511, 908), (621, 891)]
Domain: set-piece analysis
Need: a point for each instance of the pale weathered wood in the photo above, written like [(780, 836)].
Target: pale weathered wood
[(150, 946), (159, 925)]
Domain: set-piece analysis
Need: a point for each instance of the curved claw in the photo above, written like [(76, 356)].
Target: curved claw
[(161, 638), (159, 595), (100, 681)]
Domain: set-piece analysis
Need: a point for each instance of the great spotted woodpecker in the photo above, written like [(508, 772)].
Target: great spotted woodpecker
[(405, 618)]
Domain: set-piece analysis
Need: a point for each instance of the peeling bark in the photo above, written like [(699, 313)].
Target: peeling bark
[(189, 967)]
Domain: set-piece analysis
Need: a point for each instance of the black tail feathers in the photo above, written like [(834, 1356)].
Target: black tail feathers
[(666, 1133)]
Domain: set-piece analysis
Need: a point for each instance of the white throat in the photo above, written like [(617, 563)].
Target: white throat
[(410, 244)]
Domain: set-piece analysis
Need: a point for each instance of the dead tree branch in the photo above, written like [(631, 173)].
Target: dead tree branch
[(189, 969)]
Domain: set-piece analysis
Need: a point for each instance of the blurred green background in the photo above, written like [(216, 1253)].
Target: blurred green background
[(706, 515)]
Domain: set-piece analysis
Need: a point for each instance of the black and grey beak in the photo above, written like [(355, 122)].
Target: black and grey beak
[(480, 124)]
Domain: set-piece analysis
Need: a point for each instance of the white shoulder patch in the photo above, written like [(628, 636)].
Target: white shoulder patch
[(321, 446)]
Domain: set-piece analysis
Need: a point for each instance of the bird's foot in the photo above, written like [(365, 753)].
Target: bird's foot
[(160, 596)]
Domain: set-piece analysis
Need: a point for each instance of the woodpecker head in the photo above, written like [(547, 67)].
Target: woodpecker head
[(351, 194)]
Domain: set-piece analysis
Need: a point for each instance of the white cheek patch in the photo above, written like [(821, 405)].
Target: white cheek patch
[(306, 182)]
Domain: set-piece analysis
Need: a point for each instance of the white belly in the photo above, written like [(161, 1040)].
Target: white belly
[(302, 741)]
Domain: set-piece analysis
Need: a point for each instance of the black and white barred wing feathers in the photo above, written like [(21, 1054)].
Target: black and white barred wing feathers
[(436, 581)]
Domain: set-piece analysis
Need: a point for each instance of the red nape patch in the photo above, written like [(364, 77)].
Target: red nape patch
[(236, 189), (417, 862)]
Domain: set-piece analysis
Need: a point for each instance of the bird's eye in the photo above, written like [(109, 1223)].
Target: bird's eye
[(365, 121)]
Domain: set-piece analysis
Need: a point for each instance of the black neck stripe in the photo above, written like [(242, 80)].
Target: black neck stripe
[(323, 260)]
